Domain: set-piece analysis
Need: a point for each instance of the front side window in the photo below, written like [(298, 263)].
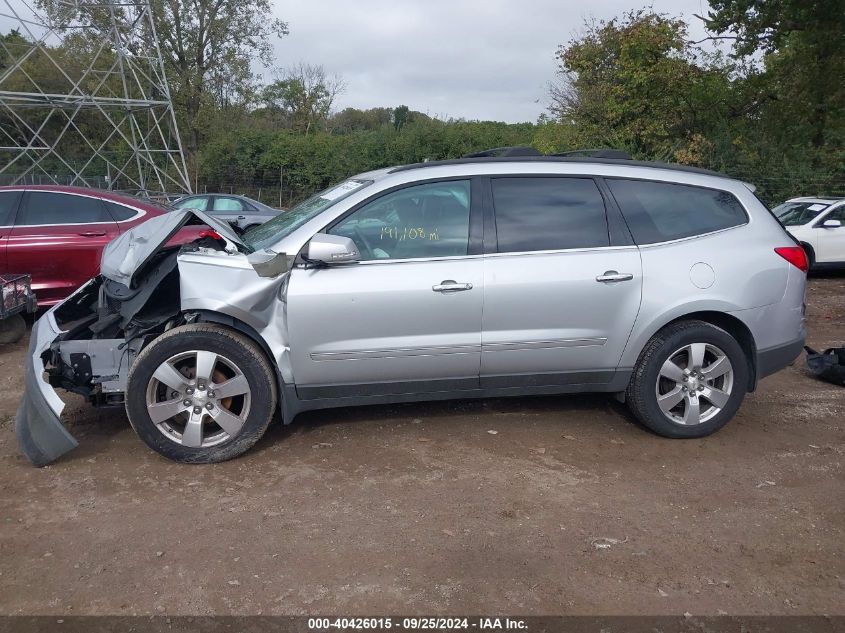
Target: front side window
[(429, 220), (838, 214), (44, 207), (227, 205), (200, 203), (541, 214), (660, 212)]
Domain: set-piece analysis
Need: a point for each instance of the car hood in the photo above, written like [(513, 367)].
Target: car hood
[(125, 255)]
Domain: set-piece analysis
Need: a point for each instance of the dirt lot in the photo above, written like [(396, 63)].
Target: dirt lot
[(569, 507)]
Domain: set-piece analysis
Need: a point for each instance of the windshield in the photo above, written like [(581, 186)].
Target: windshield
[(798, 213), (288, 221)]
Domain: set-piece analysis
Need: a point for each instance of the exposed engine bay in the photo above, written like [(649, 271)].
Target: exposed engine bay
[(107, 323)]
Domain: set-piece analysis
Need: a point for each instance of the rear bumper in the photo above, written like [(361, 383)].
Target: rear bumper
[(774, 359), (41, 435)]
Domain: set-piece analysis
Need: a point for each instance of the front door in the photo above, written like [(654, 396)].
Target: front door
[(407, 318), (831, 240), (229, 209), (58, 238), (559, 300)]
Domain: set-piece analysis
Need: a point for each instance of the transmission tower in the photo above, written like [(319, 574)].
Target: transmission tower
[(84, 99)]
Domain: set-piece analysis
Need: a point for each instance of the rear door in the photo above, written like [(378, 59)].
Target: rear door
[(562, 284), (8, 207), (58, 239)]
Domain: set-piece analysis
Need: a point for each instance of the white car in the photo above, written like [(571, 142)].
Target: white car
[(817, 223)]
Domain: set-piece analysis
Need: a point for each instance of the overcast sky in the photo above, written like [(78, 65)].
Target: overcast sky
[(473, 59)]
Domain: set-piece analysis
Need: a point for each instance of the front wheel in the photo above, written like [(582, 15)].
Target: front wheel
[(200, 393), (689, 380)]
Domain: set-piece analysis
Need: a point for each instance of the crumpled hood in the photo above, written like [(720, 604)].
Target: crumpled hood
[(128, 252)]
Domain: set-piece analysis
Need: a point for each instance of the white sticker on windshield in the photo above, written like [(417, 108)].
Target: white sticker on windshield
[(342, 189), (816, 207)]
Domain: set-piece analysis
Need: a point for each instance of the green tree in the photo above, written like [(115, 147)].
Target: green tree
[(401, 116), (208, 46), (304, 96), (803, 47), (636, 82)]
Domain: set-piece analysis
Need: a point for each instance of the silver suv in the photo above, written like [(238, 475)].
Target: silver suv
[(673, 288)]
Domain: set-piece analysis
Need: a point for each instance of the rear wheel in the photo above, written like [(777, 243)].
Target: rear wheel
[(689, 380), (200, 394)]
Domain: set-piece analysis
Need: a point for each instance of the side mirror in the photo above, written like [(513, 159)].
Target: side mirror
[(331, 249), (268, 263), (831, 224)]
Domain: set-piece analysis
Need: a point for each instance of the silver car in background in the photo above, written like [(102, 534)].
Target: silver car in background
[(239, 211), (673, 288)]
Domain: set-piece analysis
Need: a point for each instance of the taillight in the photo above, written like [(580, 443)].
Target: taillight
[(795, 255), (210, 233)]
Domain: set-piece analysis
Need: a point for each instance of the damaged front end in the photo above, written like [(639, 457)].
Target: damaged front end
[(87, 343)]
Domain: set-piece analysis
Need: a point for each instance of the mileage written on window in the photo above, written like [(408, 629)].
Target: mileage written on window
[(407, 233), (429, 220)]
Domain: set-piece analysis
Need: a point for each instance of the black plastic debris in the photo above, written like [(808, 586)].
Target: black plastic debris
[(828, 365)]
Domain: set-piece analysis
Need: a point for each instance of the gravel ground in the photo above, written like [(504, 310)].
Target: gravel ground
[(555, 505)]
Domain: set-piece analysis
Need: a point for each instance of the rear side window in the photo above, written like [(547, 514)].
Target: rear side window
[(44, 207), (8, 206), (543, 214), (660, 212), (120, 212)]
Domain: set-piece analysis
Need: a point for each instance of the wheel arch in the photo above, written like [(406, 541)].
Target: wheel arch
[(811, 252), (733, 326), (227, 320)]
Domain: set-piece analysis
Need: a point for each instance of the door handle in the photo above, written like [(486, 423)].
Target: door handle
[(242, 217), (92, 233), (450, 285), (611, 276)]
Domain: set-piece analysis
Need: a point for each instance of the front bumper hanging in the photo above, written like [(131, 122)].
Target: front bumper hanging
[(41, 435)]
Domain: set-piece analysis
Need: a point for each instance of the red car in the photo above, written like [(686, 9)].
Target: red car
[(57, 234)]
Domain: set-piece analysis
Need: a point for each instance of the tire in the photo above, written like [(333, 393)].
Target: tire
[(662, 377), (12, 329), (206, 425)]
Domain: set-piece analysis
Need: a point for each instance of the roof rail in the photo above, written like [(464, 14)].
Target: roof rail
[(600, 152), (504, 152), (604, 156)]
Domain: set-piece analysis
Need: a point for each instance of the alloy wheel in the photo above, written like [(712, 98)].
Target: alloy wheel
[(694, 384), (198, 398)]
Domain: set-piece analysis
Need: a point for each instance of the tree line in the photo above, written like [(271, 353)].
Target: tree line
[(761, 98)]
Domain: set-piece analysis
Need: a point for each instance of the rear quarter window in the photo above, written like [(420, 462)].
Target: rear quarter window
[(661, 212), (120, 212)]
